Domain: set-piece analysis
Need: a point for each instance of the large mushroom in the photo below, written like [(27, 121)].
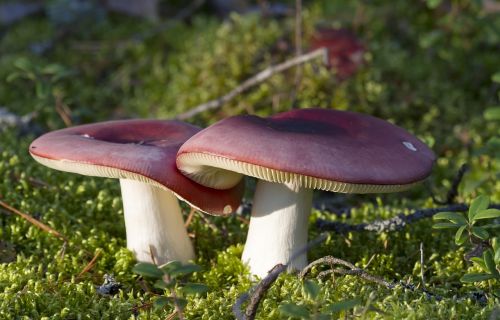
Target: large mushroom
[(293, 153), (141, 153)]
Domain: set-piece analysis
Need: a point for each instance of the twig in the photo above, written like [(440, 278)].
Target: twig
[(256, 79), (394, 224), (33, 221), (257, 292), (453, 192), (353, 270), (261, 289), (298, 49), (190, 217), (90, 265), (422, 264)]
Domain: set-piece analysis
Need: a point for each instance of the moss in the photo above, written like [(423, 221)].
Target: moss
[(428, 70)]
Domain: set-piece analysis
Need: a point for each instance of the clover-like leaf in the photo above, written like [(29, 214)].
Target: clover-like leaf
[(460, 236), (183, 270), (487, 214), (481, 233), (452, 216), (311, 289), (194, 288), (476, 277), (293, 310), (342, 305), (490, 263), (478, 204), (446, 225), (147, 270)]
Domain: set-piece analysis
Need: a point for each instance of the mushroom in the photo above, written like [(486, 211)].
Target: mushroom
[(293, 153), (141, 153)]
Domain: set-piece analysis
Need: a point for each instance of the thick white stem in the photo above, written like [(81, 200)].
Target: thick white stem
[(278, 227), (153, 219)]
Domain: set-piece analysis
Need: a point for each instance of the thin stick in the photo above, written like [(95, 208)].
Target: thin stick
[(256, 79), (298, 49), (422, 264), (353, 270), (453, 191), (33, 221), (258, 291), (190, 217), (393, 224), (90, 265), (261, 289)]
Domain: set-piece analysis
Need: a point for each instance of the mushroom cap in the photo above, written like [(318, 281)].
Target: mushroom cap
[(313, 148), (143, 150), (345, 50)]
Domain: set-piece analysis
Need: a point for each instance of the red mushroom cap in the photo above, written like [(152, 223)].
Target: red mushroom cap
[(313, 148), (141, 150), (345, 51)]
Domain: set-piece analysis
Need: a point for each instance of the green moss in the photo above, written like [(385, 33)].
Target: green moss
[(428, 70)]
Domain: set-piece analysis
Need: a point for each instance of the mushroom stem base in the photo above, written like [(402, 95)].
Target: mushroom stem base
[(278, 227), (154, 223)]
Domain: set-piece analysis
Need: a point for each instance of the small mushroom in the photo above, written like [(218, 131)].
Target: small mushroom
[(293, 153), (141, 153)]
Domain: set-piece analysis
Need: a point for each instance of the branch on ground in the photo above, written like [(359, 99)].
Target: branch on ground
[(393, 224), (256, 79)]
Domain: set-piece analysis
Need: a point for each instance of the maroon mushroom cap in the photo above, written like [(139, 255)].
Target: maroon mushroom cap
[(345, 51), (313, 148), (143, 150)]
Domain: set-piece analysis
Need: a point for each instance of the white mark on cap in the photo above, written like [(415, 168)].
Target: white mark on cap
[(87, 136), (409, 145), (228, 209)]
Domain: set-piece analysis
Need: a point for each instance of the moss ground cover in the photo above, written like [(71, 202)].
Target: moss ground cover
[(429, 68)]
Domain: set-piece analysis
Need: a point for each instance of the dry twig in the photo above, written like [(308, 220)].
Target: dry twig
[(352, 270), (453, 192), (257, 292), (256, 79), (33, 221), (90, 265), (394, 224)]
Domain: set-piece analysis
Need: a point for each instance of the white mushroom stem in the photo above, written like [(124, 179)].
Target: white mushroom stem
[(153, 219), (278, 227)]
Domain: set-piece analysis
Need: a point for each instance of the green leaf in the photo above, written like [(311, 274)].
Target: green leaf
[(497, 255), (496, 77), (171, 265), (481, 233), (487, 214), (181, 302), (480, 203), (490, 263), (480, 262), (184, 270), (293, 310), (161, 302), (476, 277), (492, 113), (160, 284), (433, 4), (445, 225), (311, 289), (452, 216), (194, 288), (491, 226), (342, 305), (460, 237), (147, 270)]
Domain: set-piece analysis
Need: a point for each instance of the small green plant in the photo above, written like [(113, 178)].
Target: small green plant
[(168, 278), (315, 307), (474, 227)]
